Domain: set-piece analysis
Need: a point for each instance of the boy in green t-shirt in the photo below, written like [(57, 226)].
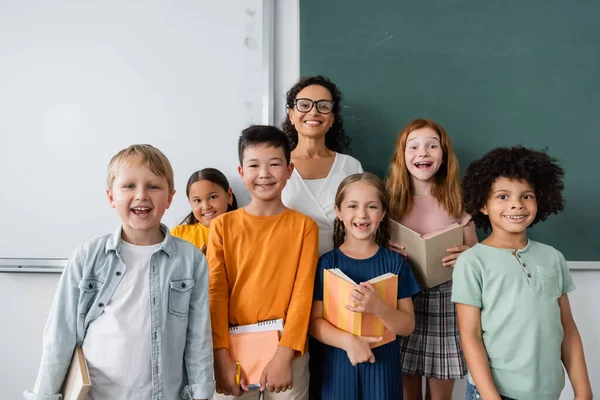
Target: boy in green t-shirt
[(514, 315)]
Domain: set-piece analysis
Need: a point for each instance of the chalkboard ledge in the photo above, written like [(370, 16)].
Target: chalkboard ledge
[(56, 265), (28, 265)]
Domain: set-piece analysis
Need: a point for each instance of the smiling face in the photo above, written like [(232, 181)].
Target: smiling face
[(511, 207), (140, 198), (208, 200), (312, 124), (423, 154), (360, 211), (265, 171)]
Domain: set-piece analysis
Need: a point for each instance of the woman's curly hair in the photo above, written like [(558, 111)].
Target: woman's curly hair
[(541, 171), (335, 138)]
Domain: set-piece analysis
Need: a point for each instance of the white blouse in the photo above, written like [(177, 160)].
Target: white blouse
[(319, 205)]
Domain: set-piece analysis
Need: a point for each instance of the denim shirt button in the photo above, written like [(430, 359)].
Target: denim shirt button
[(91, 285), (100, 304), (183, 285), (118, 273)]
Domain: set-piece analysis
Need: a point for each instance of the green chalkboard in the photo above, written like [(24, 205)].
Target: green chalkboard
[(493, 73)]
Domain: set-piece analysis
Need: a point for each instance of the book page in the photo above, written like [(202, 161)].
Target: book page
[(440, 231), (414, 246), (381, 278), (436, 249), (338, 272)]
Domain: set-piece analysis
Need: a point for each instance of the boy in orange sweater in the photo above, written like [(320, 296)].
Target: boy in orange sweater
[(262, 261)]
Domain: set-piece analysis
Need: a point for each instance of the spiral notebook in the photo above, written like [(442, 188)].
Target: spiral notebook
[(254, 346)]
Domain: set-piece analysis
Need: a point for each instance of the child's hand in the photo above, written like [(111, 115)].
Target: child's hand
[(358, 350), (203, 249), (225, 371), (364, 298), (450, 260), (397, 247), (277, 375)]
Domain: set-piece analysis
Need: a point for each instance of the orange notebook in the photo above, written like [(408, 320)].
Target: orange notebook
[(336, 292), (254, 346)]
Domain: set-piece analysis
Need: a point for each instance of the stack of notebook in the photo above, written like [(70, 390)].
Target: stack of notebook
[(253, 346)]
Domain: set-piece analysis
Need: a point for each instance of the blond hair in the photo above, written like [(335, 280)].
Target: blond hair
[(382, 235), (447, 182), (146, 155)]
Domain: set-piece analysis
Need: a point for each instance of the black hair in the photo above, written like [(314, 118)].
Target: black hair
[(270, 136), (541, 171), (212, 175), (335, 138)]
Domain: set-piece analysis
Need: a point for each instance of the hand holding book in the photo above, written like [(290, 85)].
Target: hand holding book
[(225, 373), (364, 299), (450, 260), (278, 375)]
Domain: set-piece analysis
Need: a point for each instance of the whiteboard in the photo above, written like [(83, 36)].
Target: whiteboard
[(81, 80)]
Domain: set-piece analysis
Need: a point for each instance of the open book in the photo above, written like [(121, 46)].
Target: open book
[(336, 293), (253, 346), (425, 252), (77, 383)]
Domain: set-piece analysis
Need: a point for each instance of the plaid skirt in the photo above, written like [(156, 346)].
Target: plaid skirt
[(433, 350)]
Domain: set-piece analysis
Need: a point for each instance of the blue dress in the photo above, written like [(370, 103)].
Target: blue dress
[(381, 380)]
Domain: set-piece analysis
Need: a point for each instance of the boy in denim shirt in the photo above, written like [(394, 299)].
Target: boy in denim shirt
[(135, 300)]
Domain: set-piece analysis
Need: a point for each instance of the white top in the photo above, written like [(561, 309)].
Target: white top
[(314, 185), (117, 344), (319, 205)]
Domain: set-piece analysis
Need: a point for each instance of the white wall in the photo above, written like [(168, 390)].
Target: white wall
[(26, 298)]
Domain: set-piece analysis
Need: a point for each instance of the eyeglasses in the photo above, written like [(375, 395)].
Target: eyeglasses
[(305, 105)]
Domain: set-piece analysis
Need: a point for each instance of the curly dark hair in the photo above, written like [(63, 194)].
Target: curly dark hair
[(335, 138), (541, 171)]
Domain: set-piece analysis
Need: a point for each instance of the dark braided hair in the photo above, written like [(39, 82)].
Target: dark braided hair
[(382, 236), (335, 138), (540, 170)]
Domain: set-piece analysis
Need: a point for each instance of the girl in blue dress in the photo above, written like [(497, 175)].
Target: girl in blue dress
[(351, 369)]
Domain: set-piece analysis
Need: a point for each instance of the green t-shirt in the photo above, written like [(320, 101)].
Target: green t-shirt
[(518, 293)]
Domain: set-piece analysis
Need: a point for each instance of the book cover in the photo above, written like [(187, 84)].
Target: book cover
[(77, 382), (336, 291), (425, 252), (253, 346)]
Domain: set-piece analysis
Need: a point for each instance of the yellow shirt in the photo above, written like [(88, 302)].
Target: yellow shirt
[(196, 234), (262, 267)]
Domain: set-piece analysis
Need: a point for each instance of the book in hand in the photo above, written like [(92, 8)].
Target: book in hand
[(253, 346), (336, 294), (77, 382), (425, 252)]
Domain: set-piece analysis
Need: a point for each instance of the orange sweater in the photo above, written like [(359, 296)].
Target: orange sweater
[(262, 267)]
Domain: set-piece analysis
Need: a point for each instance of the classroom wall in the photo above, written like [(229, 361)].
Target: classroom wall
[(26, 298)]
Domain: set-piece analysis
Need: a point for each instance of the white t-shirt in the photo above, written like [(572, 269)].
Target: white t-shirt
[(117, 345)]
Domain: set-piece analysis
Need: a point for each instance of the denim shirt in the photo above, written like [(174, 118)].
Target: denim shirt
[(182, 352)]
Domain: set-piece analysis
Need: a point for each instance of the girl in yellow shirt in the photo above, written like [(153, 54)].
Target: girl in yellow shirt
[(210, 195)]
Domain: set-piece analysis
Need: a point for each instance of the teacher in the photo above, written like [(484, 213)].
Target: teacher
[(316, 132)]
